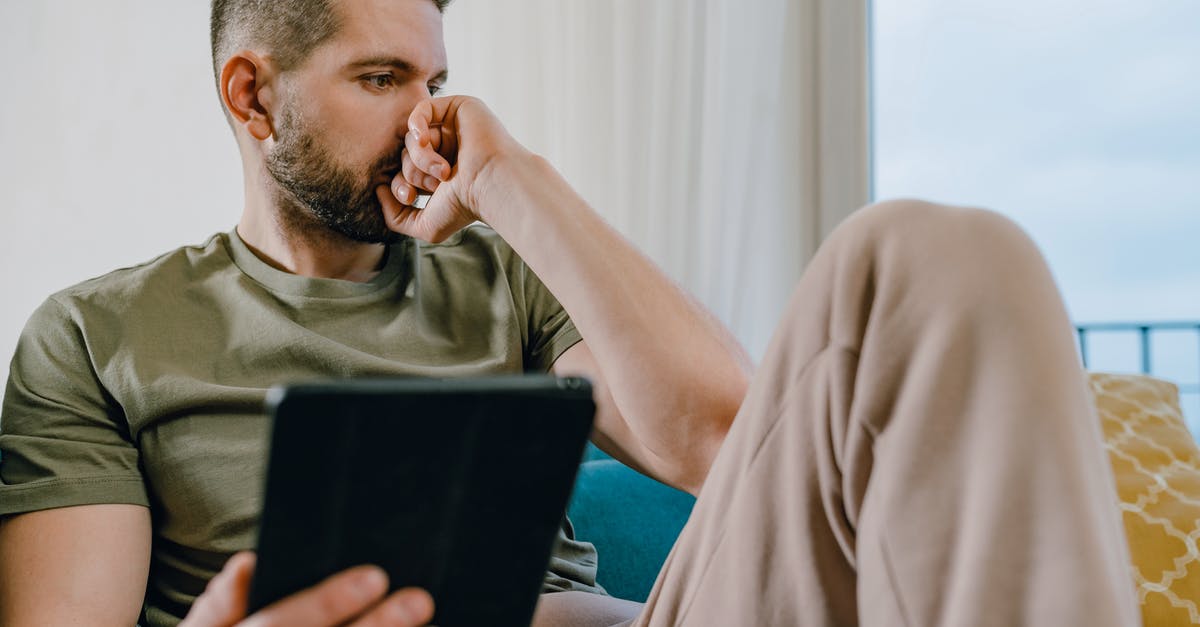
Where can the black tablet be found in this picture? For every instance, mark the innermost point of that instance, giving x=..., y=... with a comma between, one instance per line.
x=457, y=486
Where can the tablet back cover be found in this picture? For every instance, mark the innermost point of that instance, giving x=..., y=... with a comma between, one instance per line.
x=456, y=486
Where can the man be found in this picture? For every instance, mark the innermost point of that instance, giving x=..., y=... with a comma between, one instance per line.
x=917, y=447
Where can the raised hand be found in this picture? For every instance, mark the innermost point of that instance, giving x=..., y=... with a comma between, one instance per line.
x=452, y=145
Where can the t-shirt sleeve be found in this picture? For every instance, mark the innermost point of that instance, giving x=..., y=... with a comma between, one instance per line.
x=63, y=439
x=572, y=564
x=550, y=329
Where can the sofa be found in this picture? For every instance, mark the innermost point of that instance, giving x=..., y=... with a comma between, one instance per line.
x=634, y=520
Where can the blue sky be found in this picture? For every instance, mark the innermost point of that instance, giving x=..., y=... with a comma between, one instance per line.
x=1081, y=120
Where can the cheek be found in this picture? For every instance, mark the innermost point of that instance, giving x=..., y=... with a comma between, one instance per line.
x=363, y=126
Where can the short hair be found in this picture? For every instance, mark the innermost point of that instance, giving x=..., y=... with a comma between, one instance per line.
x=289, y=29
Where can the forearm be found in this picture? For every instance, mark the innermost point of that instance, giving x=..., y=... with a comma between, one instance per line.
x=675, y=373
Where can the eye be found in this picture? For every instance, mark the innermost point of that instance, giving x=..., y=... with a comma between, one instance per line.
x=379, y=81
x=434, y=90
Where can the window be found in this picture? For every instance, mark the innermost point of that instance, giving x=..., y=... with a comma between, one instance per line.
x=1081, y=121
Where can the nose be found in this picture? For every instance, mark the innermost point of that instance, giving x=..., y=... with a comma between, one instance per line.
x=414, y=96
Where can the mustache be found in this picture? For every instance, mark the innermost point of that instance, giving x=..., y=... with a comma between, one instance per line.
x=389, y=168
x=387, y=163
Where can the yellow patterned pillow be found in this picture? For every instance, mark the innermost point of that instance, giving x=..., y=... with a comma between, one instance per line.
x=1157, y=467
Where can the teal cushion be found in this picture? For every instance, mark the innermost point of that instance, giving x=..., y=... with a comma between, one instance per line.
x=632, y=519
x=591, y=452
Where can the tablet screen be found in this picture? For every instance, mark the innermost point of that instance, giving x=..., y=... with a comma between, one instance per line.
x=457, y=486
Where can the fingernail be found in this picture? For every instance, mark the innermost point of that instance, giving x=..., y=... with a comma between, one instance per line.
x=415, y=605
x=400, y=610
x=371, y=581
x=438, y=171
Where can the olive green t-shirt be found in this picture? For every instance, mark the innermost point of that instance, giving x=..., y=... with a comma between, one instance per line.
x=146, y=385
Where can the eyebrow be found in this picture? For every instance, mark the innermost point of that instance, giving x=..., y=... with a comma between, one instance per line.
x=400, y=65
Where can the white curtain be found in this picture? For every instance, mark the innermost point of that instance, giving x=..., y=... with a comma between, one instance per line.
x=724, y=137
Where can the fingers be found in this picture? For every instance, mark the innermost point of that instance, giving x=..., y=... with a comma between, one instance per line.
x=224, y=601
x=336, y=600
x=414, y=178
x=444, y=138
x=423, y=118
x=399, y=213
x=350, y=595
x=409, y=607
x=434, y=223
x=430, y=158
x=418, y=145
x=432, y=134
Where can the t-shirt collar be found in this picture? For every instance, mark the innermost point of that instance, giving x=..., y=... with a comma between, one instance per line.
x=286, y=282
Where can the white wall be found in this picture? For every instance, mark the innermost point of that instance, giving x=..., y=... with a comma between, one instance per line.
x=113, y=148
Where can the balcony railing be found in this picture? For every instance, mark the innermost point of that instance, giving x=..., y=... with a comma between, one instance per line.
x=1183, y=367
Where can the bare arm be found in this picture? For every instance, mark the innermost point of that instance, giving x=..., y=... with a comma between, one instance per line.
x=84, y=565
x=612, y=433
x=676, y=377
x=88, y=565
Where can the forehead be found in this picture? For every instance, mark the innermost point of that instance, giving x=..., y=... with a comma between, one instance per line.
x=407, y=29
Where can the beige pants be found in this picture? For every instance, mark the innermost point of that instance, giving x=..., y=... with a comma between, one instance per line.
x=918, y=448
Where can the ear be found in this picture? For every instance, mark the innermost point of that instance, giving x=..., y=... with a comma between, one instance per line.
x=248, y=91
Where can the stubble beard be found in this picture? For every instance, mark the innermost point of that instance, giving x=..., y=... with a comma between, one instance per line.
x=314, y=187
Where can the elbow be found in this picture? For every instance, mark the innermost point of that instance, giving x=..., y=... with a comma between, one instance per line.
x=707, y=444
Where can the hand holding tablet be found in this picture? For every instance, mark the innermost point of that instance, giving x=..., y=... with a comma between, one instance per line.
x=355, y=595
x=454, y=486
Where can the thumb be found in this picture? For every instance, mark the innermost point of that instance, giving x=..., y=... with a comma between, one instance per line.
x=224, y=601
x=437, y=221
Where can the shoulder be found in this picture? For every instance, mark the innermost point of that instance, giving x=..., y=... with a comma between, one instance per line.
x=91, y=321
x=171, y=272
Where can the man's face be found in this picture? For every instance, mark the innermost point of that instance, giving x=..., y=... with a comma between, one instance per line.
x=342, y=115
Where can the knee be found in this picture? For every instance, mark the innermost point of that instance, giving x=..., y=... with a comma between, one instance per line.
x=966, y=240
x=934, y=226
x=942, y=252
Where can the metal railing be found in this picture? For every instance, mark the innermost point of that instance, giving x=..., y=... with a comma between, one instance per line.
x=1144, y=332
